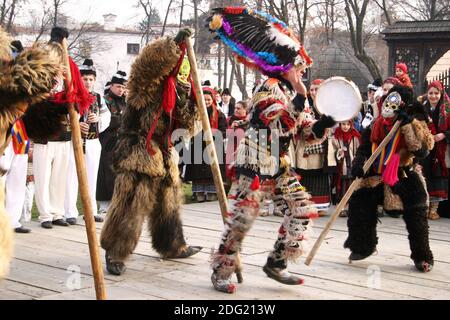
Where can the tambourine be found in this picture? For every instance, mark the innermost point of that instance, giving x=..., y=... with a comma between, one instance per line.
x=338, y=97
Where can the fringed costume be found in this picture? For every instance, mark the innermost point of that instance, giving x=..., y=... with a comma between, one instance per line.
x=267, y=44
x=147, y=181
x=25, y=80
x=394, y=180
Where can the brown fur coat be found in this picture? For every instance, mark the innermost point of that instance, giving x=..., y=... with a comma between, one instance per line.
x=146, y=84
x=26, y=80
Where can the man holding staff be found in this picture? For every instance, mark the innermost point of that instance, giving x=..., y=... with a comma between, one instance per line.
x=147, y=184
x=393, y=181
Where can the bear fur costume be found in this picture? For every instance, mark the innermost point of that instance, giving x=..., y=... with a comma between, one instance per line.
x=147, y=177
x=408, y=196
x=26, y=80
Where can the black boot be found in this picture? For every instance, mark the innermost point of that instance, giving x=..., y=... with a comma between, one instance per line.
x=358, y=256
x=282, y=275
x=189, y=251
x=116, y=268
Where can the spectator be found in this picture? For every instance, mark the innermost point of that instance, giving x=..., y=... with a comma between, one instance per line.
x=95, y=121
x=227, y=104
x=115, y=101
x=198, y=171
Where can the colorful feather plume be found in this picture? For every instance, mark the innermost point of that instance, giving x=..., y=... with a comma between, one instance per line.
x=258, y=40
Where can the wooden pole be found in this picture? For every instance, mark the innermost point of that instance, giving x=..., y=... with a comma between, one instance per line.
x=221, y=195
x=349, y=193
x=97, y=268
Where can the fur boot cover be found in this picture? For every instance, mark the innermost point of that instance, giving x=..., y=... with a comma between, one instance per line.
x=362, y=220
x=147, y=182
x=412, y=191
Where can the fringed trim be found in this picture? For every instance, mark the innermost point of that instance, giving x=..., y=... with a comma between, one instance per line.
x=223, y=265
x=256, y=158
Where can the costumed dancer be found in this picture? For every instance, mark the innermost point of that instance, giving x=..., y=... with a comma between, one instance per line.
x=25, y=82
x=198, y=171
x=92, y=124
x=260, y=41
x=51, y=155
x=436, y=165
x=394, y=180
x=346, y=142
x=147, y=181
x=115, y=101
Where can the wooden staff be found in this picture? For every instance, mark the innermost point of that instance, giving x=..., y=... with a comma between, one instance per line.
x=97, y=268
x=217, y=176
x=349, y=193
x=221, y=195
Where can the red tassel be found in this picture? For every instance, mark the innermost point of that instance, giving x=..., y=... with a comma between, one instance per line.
x=255, y=184
x=169, y=97
x=390, y=174
x=79, y=94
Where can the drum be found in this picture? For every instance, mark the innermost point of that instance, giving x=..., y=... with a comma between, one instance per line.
x=338, y=97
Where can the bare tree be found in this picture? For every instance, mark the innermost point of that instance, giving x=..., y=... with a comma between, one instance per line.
x=383, y=4
x=419, y=10
x=8, y=13
x=181, y=13
x=42, y=24
x=356, y=12
x=165, y=18
x=57, y=7
x=196, y=24
x=151, y=18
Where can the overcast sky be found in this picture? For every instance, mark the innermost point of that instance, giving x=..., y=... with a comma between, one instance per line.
x=93, y=10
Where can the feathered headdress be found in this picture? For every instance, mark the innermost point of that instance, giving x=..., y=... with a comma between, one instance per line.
x=258, y=40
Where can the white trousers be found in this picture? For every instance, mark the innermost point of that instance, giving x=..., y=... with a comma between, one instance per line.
x=92, y=158
x=15, y=183
x=28, y=205
x=50, y=164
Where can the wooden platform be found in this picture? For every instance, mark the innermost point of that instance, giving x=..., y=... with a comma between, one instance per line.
x=44, y=258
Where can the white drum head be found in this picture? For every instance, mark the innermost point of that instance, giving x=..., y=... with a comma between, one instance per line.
x=339, y=98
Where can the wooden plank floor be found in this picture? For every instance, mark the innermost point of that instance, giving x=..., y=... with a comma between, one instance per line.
x=44, y=259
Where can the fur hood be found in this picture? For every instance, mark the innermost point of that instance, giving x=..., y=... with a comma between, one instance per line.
x=28, y=78
x=148, y=72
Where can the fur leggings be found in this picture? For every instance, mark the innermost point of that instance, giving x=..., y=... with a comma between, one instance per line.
x=136, y=197
x=289, y=197
x=362, y=217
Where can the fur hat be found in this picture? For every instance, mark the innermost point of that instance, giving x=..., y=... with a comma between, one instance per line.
x=119, y=78
x=87, y=68
x=375, y=85
x=17, y=46
x=402, y=66
x=258, y=40
x=58, y=34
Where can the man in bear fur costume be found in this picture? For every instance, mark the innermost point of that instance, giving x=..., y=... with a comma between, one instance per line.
x=25, y=80
x=394, y=180
x=147, y=182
